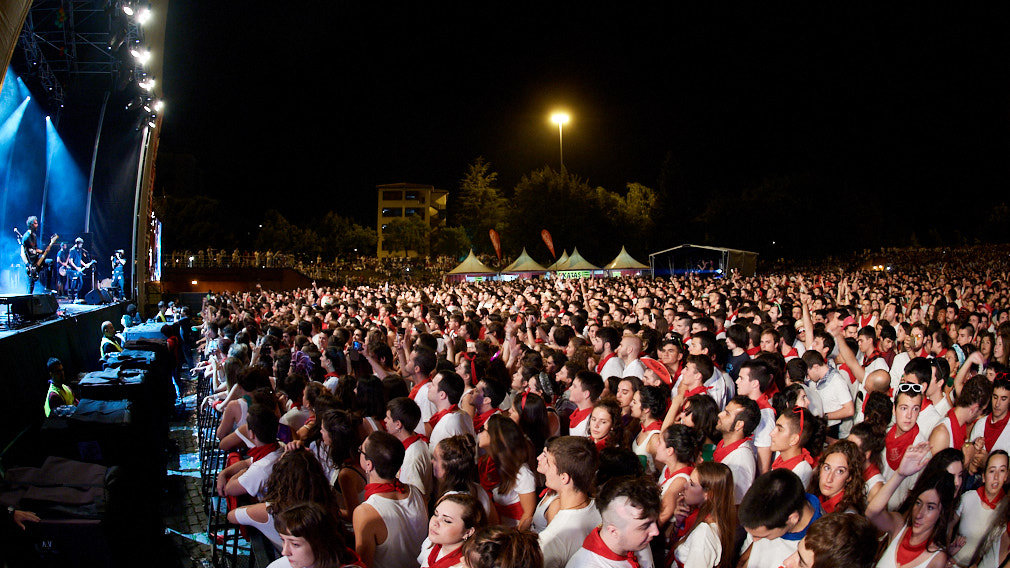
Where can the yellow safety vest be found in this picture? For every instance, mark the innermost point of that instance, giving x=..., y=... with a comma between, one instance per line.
x=108, y=346
x=64, y=393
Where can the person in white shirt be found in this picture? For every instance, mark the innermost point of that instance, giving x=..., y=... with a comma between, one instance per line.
x=604, y=346
x=402, y=417
x=935, y=404
x=709, y=533
x=628, y=351
x=754, y=381
x=444, y=392
x=456, y=518
x=390, y=525
x=566, y=514
x=249, y=476
x=629, y=508
x=737, y=423
x=991, y=429
x=836, y=399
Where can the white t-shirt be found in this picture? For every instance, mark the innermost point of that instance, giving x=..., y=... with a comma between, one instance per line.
x=978, y=431
x=742, y=462
x=427, y=406
x=701, y=549
x=525, y=483
x=930, y=416
x=406, y=523
x=254, y=479
x=613, y=368
x=763, y=433
x=416, y=468
x=564, y=535
x=426, y=547
x=634, y=369
x=976, y=519
x=586, y=559
x=834, y=391
x=452, y=424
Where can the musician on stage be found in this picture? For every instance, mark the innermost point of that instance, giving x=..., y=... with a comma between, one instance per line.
x=117, y=273
x=76, y=266
x=31, y=252
x=61, y=272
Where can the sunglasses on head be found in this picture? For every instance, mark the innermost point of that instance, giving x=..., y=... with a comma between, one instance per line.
x=914, y=387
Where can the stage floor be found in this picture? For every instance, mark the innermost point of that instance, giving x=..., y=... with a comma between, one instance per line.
x=66, y=309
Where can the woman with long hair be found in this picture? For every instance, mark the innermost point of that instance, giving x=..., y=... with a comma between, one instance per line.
x=979, y=508
x=311, y=539
x=919, y=536
x=678, y=451
x=296, y=477
x=707, y=537
x=339, y=432
x=838, y=480
x=700, y=411
x=869, y=436
x=370, y=404
x=507, y=469
x=456, y=518
x=529, y=411
x=454, y=466
x=648, y=405
x=605, y=426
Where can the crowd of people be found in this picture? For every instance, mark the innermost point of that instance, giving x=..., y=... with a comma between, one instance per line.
x=314, y=267
x=826, y=419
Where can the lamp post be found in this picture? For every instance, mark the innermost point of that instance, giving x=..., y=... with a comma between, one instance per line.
x=561, y=118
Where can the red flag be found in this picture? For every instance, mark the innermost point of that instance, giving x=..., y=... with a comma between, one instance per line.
x=496, y=241
x=546, y=236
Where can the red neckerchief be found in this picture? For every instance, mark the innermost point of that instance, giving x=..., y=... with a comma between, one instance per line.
x=395, y=486
x=411, y=439
x=762, y=402
x=792, y=462
x=941, y=353
x=791, y=353
x=844, y=367
x=906, y=552
x=870, y=471
x=896, y=445
x=435, y=418
x=991, y=504
x=451, y=559
x=260, y=452
x=958, y=431
x=578, y=416
x=487, y=472
x=481, y=419
x=888, y=357
x=594, y=543
x=702, y=389
x=668, y=475
x=689, y=523
x=829, y=505
x=863, y=322
x=753, y=351
x=993, y=430
x=923, y=353
x=601, y=443
x=417, y=387
x=722, y=451
x=926, y=403
x=654, y=425
x=871, y=357
x=599, y=368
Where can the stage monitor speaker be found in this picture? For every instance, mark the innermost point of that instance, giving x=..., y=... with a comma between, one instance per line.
x=98, y=296
x=32, y=307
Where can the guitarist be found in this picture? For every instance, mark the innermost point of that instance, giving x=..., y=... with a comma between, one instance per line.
x=31, y=253
x=75, y=268
x=61, y=259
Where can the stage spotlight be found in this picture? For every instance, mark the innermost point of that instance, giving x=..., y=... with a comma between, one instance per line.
x=141, y=55
x=128, y=9
x=159, y=105
x=143, y=15
x=152, y=120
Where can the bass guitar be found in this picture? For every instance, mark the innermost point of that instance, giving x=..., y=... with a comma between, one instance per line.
x=32, y=265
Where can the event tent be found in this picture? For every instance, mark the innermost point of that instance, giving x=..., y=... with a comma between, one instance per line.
x=578, y=267
x=524, y=266
x=470, y=269
x=560, y=263
x=625, y=265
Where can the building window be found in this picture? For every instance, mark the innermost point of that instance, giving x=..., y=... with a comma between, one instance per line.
x=413, y=211
x=392, y=195
x=392, y=212
x=415, y=196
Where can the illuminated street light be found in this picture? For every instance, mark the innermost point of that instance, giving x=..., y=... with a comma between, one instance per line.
x=561, y=118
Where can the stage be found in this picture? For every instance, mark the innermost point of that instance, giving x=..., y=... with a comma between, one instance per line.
x=72, y=335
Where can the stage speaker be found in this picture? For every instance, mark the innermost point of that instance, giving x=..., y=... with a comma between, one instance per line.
x=32, y=307
x=98, y=296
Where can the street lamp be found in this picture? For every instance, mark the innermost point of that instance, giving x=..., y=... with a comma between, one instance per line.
x=561, y=118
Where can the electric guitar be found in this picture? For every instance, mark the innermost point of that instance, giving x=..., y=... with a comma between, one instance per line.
x=32, y=265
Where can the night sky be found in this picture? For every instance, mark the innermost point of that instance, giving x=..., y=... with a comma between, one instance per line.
x=307, y=106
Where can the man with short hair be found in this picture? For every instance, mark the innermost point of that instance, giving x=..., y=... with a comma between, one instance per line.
x=391, y=524
x=402, y=417
x=935, y=404
x=904, y=434
x=628, y=350
x=754, y=382
x=720, y=386
x=776, y=513
x=59, y=392
x=568, y=464
x=249, y=476
x=838, y=540
x=418, y=369
x=110, y=343
x=586, y=389
x=836, y=399
x=991, y=429
x=448, y=420
x=736, y=450
x=629, y=509
x=952, y=431
x=607, y=340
